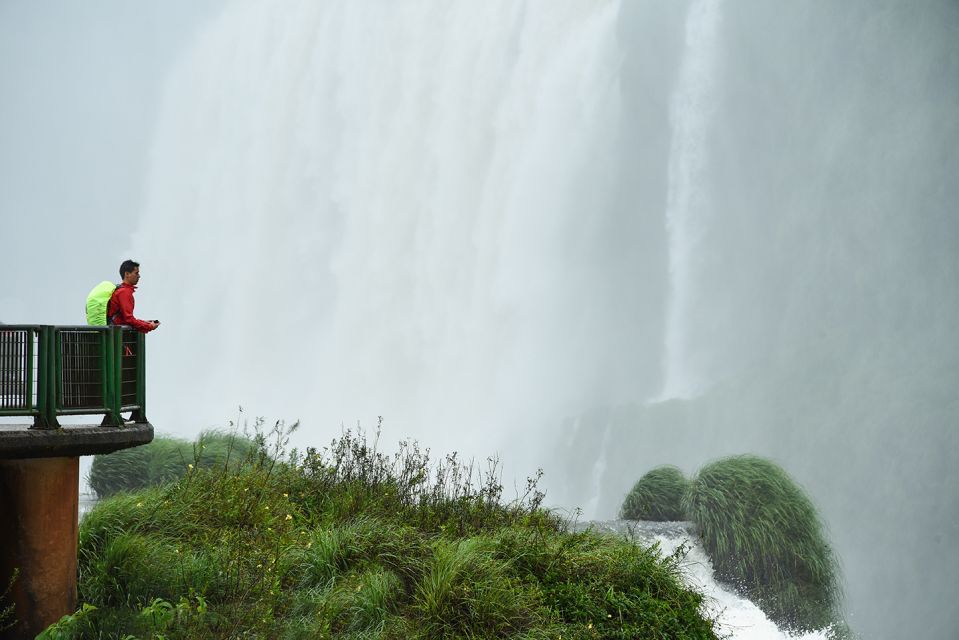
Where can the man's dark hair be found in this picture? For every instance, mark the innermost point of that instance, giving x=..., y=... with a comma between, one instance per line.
x=126, y=267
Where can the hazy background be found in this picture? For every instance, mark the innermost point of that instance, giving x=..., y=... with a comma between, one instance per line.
x=80, y=84
x=460, y=218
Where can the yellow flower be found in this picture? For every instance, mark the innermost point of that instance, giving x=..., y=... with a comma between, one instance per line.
x=139, y=504
x=289, y=517
x=286, y=495
x=189, y=466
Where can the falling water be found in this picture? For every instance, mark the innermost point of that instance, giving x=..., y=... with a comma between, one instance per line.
x=599, y=470
x=358, y=209
x=687, y=207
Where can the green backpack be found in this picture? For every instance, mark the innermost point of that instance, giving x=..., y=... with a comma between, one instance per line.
x=97, y=301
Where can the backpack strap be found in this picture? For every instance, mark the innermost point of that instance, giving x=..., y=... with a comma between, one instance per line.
x=109, y=317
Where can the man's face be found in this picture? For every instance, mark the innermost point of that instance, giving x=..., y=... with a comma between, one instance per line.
x=132, y=277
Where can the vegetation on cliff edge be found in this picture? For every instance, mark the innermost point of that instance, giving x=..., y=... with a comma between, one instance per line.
x=347, y=542
x=163, y=461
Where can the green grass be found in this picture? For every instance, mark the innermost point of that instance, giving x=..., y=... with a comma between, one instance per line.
x=657, y=496
x=163, y=461
x=765, y=538
x=347, y=542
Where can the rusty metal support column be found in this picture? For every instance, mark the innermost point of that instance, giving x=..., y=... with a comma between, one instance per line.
x=38, y=537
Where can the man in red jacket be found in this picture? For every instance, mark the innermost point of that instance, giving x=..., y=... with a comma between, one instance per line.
x=120, y=308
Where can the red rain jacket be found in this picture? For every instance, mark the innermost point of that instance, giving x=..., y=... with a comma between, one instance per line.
x=120, y=309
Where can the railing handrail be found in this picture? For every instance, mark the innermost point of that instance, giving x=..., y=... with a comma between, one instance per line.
x=63, y=327
x=53, y=370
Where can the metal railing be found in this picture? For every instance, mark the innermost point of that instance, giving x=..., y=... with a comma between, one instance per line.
x=48, y=371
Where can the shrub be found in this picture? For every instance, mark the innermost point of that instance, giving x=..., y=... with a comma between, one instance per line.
x=605, y=586
x=765, y=539
x=163, y=461
x=657, y=496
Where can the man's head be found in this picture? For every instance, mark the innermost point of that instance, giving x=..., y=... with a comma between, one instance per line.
x=130, y=272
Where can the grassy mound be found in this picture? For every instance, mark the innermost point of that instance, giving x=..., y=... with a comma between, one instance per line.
x=350, y=543
x=765, y=538
x=658, y=496
x=163, y=461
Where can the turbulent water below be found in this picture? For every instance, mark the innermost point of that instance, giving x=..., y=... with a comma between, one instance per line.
x=737, y=617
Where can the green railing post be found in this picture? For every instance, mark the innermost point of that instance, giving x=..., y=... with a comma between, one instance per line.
x=54, y=369
x=140, y=415
x=111, y=374
x=43, y=377
x=30, y=353
x=57, y=371
x=118, y=372
x=104, y=339
x=46, y=416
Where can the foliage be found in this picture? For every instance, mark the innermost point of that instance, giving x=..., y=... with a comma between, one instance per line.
x=765, y=538
x=348, y=542
x=163, y=461
x=63, y=628
x=7, y=619
x=657, y=496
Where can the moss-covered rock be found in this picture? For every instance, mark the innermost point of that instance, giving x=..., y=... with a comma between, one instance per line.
x=658, y=496
x=765, y=539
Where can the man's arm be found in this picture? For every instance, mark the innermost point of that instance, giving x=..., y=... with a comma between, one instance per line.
x=124, y=298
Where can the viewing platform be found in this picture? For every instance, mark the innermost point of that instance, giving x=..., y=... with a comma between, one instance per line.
x=46, y=374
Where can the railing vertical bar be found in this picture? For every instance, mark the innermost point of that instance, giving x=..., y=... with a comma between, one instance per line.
x=142, y=376
x=60, y=383
x=108, y=373
x=41, y=377
x=104, y=378
x=5, y=363
x=11, y=374
x=4, y=350
x=53, y=361
x=29, y=387
x=3, y=369
x=15, y=373
x=118, y=363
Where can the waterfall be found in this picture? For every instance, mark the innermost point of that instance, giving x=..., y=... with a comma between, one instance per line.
x=687, y=208
x=598, y=472
x=360, y=209
x=357, y=208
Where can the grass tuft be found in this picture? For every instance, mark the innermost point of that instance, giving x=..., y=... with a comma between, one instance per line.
x=764, y=537
x=657, y=496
